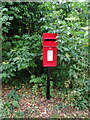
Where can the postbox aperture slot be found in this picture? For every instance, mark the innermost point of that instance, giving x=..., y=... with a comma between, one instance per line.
x=50, y=40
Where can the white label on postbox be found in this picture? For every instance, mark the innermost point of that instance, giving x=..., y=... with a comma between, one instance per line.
x=50, y=55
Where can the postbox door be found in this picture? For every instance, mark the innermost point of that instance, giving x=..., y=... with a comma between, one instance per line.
x=49, y=56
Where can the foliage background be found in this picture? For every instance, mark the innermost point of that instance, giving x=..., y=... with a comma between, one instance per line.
x=22, y=28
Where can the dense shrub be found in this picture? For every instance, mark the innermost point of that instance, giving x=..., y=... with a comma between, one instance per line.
x=22, y=28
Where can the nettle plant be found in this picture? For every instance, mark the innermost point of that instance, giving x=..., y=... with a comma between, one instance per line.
x=38, y=82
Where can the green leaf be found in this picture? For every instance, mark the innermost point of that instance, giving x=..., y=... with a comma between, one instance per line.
x=15, y=104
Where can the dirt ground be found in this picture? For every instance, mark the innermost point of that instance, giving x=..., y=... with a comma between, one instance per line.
x=37, y=106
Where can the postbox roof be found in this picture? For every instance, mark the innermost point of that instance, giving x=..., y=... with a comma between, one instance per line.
x=49, y=35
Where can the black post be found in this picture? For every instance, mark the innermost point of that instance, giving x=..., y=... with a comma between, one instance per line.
x=48, y=83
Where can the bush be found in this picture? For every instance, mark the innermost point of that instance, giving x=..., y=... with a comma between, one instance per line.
x=22, y=46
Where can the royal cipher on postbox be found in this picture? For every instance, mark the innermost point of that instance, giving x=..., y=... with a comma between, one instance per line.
x=49, y=49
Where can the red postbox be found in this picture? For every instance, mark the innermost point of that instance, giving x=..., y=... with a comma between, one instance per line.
x=49, y=49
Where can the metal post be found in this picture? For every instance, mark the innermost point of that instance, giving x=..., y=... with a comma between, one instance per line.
x=48, y=83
